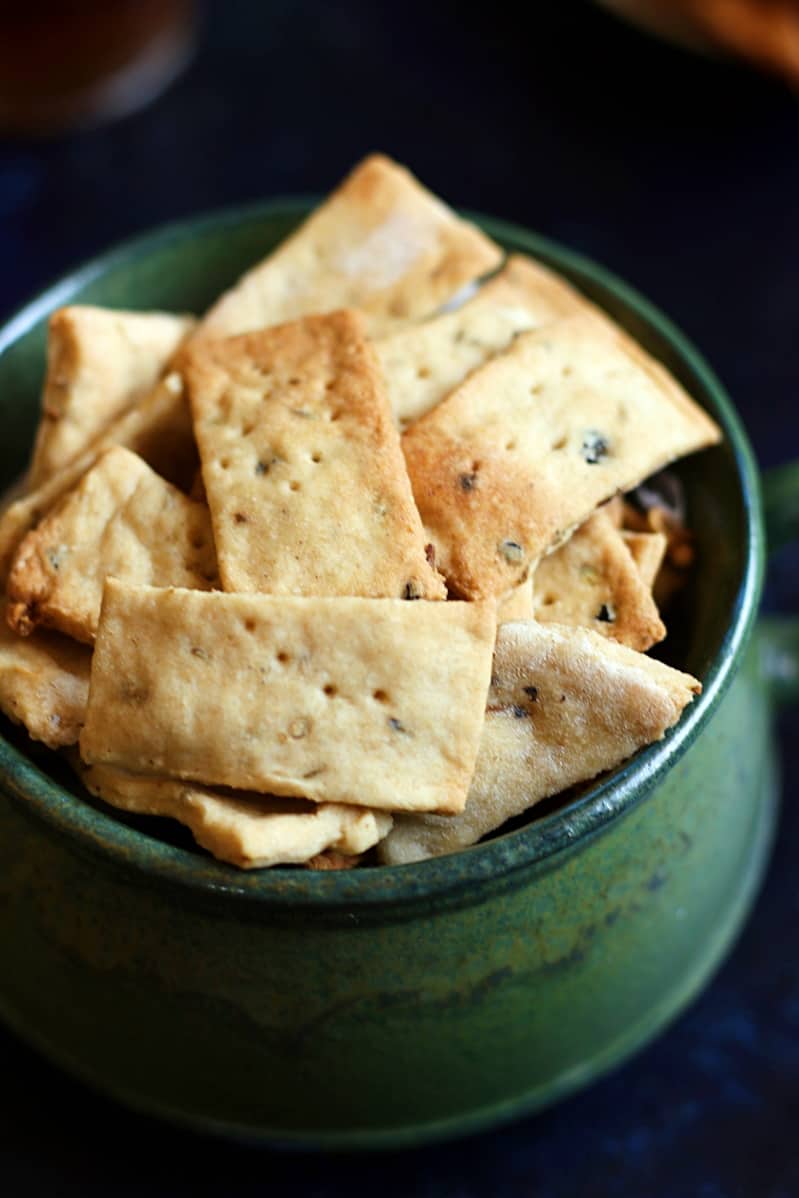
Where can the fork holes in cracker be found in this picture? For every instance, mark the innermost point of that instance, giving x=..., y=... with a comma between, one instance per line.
x=250, y=624
x=380, y=696
x=548, y=600
x=283, y=657
x=423, y=372
x=330, y=690
x=510, y=446
x=560, y=443
x=316, y=458
x=294, y=485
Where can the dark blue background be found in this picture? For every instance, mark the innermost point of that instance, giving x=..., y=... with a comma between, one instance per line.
x=682, y=175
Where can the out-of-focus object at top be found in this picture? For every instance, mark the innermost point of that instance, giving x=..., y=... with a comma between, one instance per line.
x=764, y=31
x=73, y=63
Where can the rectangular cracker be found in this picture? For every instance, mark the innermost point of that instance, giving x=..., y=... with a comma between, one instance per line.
x=99, y=362
x=381, y=242
x=593, y=581
x=424, y=362
x=525, y=449
x=158, y=429
x=372, y=702
x=565, y=705
x=123, y=520
x=44, y=685
x=302, y=464
x=247, y=830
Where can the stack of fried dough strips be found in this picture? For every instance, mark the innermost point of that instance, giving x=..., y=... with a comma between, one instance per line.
x=340, y=565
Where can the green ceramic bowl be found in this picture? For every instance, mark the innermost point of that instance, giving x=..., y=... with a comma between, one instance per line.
x=390, y=1006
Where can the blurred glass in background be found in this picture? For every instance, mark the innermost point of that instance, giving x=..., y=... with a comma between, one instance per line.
x=764, y=31
x=73, y=63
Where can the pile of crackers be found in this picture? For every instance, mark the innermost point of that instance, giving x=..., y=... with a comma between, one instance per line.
x=342, y=568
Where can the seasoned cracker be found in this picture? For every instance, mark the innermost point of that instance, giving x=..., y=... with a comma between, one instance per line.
x=302, y=464
x=517, y=604
x=381, y=242
x=158, y=429
x=99, y=362
x=593, y=581
x=373, y=702
x=123, y=520
x=247, y=830
x=44, y=685
x=524, y=450
x=426, y=361
x=647, y=550
x=565, y=705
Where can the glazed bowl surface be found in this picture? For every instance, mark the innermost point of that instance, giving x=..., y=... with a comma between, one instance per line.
x=389, y=1005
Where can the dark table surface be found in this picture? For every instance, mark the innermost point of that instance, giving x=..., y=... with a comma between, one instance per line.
x=682, y=175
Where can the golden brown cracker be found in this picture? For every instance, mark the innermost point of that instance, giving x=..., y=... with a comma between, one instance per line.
x=302, y=464
x=647, y=550
x=593, y=581
x=247, y=830
x=565, y=705
x=44, y=685
x=517, y=604
x=158, y=429
x=373, y=702
x=525, y=449
x=99, y=362
x=381, y=242
x=122, y=520
x=424, y=362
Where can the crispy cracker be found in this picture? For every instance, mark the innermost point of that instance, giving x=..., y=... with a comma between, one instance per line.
x=647, y=550
x=302, y=464
x=44, y=685
x=374, y=702
x=565, y=705
x=517, y=604
x=331, y=859
x=158, y=429
x=121, y=520
x=525, y=449
x=99, y=362
x=381, y=242
x=593, y=581
x=247, y=830
x=424, y=362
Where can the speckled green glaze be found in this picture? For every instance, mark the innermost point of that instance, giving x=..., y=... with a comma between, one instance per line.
x=397, y=1005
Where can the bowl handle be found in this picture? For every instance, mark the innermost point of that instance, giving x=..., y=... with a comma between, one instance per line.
x=778, y=636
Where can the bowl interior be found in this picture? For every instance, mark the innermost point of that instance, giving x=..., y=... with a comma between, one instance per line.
x=183, y=268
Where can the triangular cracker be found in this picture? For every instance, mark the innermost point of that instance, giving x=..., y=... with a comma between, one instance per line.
x=565, y=705
x=99, y=362
x=44, y=685
x=381, y=242
x=247, y=830
x=158, y=429
x=302, y=464
x=374, y=702
x=592, y=581
x=424, y=362
x=122, y=520
x=525, y=449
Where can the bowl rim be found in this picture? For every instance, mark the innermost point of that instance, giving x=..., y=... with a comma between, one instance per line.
x=455, y=875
